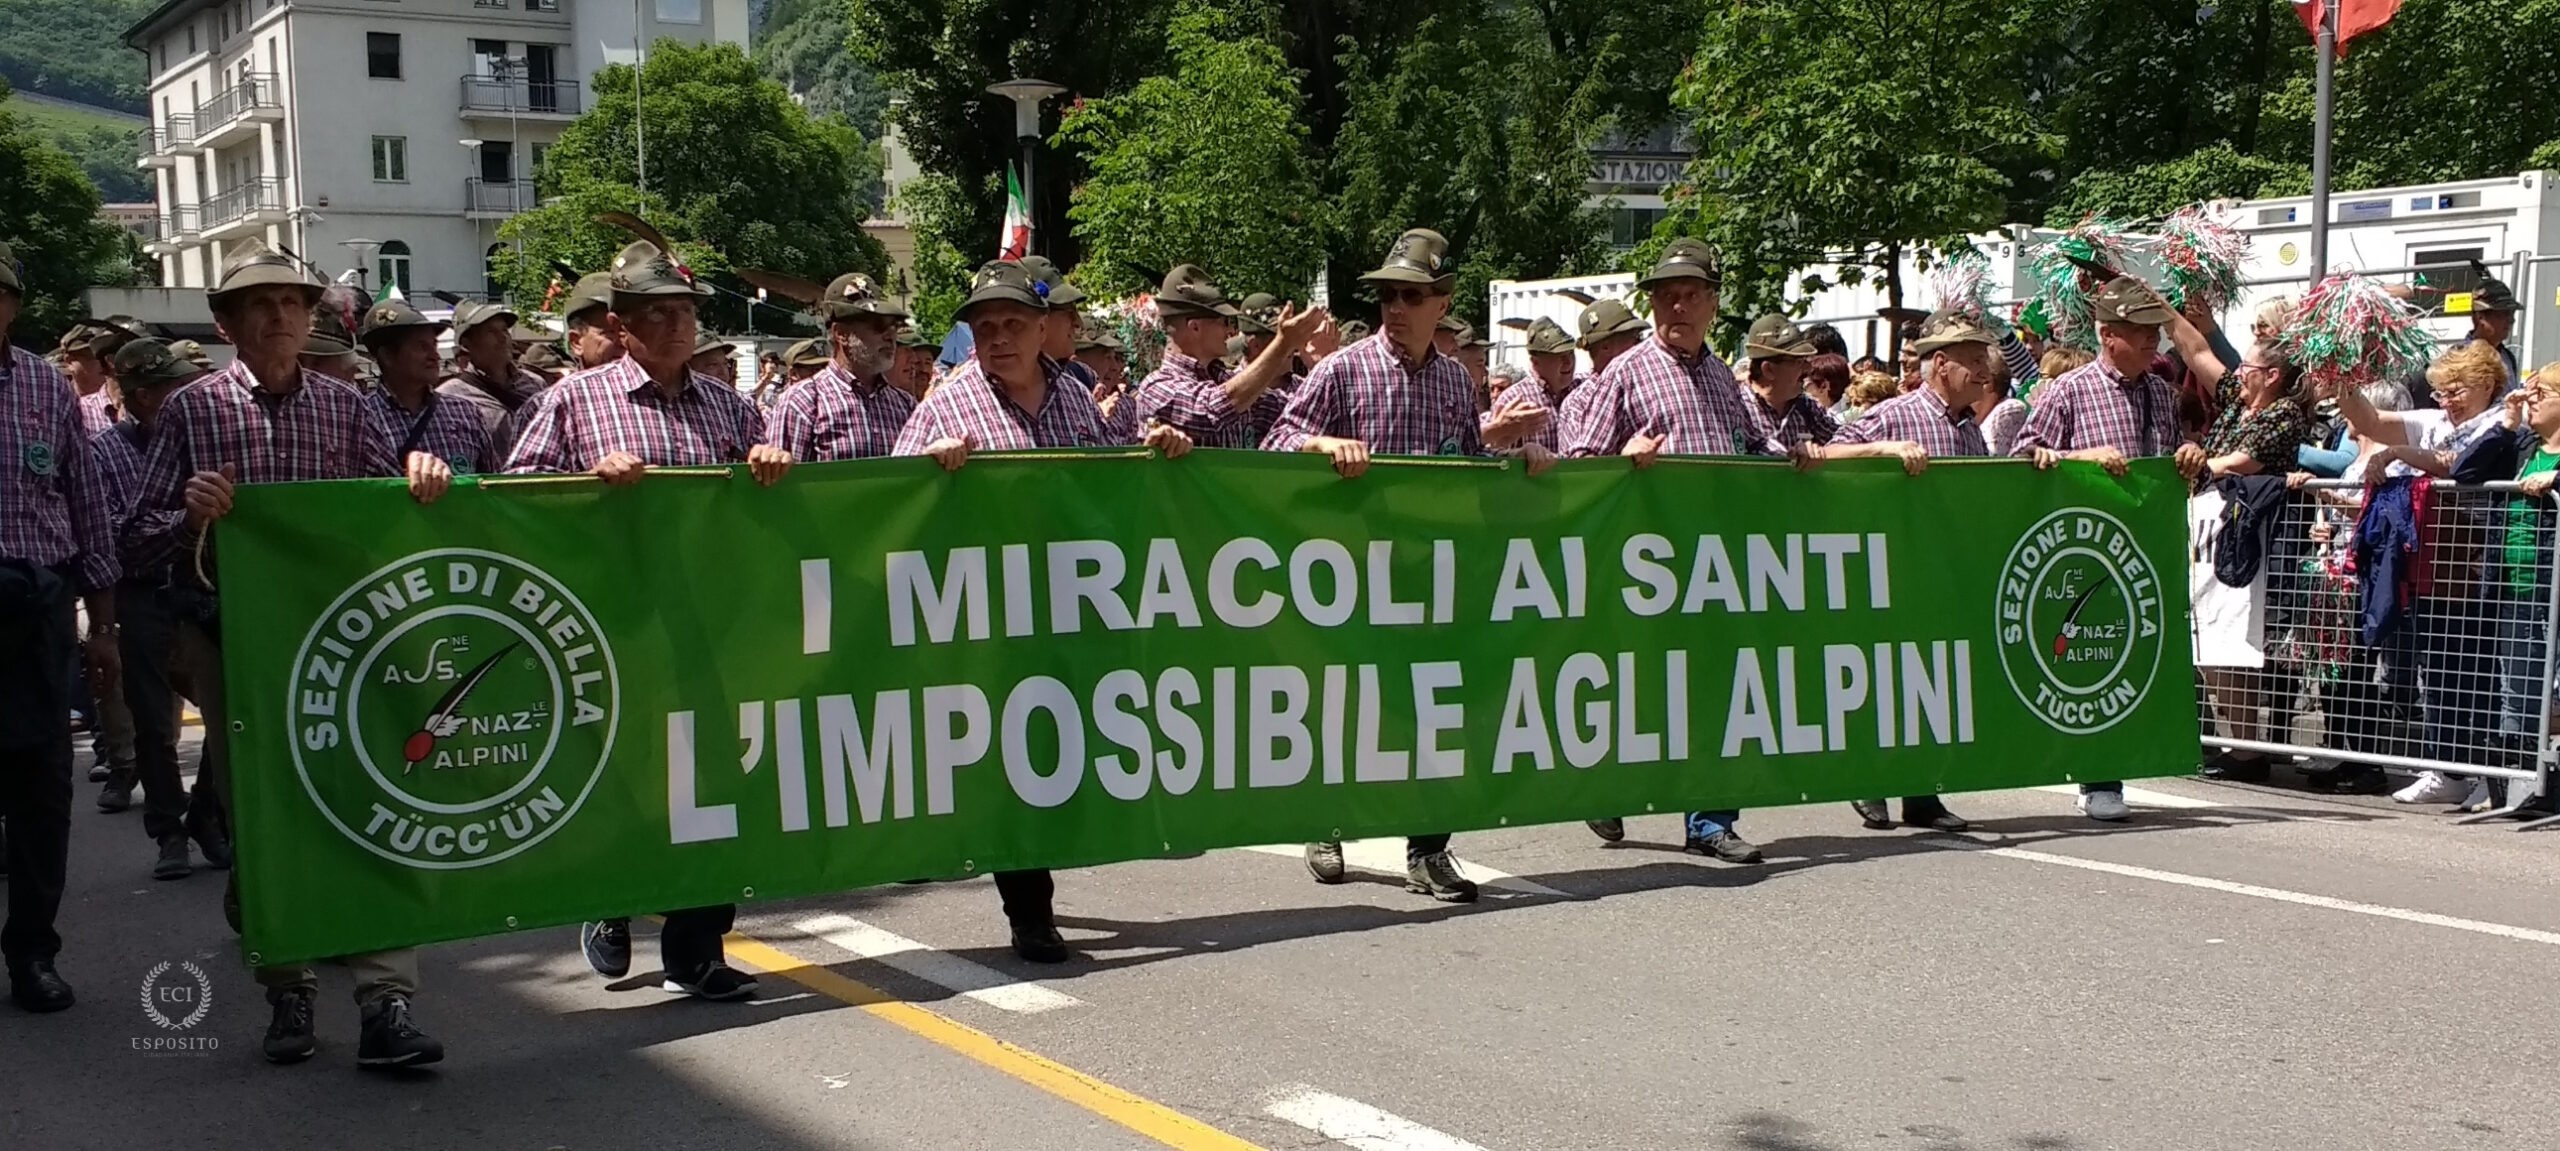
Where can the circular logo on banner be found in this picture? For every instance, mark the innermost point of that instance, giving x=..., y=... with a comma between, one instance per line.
x=452, y=709
x=176, y=999
x=2081, y=620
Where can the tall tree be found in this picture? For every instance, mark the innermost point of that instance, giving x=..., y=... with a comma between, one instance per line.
x=49, y=219
x=802, y=44
x=736, y=167
x=1850, y=130
x=1205, y=165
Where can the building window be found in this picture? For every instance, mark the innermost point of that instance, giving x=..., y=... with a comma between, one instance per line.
x=391, y=159
x=382, y=55
x=191, y=39
x=1629, y=227
x=393, y=264
x=680, y=11
x=164, y=55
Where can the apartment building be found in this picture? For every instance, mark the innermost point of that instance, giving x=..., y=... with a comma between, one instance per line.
x=387, y=137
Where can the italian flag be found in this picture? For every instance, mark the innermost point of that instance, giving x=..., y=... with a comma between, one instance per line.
x=390, y=290
x=1014, y=242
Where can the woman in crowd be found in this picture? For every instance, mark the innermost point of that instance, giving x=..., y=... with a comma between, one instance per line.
x=2258, y=424
x=1826, y=379
x=1866, y=390
x=2000, y=413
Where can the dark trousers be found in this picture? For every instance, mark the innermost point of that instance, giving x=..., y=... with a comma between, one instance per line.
x=690, y=942
x=1027, y=896
x=149, y=643
x=36, y=650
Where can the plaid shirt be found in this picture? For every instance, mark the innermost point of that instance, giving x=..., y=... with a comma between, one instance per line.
x=617, y=408
x=1802, y=421
x=1695, y=406
x=322, y=430
x=1365, y=392
x=1192, y=395
x=1527, y=390
x=2094, y=406
x=447, y=428
x=100, y=411
x=117, y=463
x=1918, y=417
x=53, y=510
x=832, y=416
x=968, y=405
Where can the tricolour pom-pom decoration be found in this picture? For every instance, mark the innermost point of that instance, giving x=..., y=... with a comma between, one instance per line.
x=2350, y=331
x=2202, y=253
x=1962, y=282
x=2062, y=269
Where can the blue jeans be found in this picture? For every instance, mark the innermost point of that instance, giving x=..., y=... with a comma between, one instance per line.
x=1705, y=824
x=2522, y=692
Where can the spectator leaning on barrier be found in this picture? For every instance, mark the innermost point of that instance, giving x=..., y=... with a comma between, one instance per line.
x=646, y=410
x=2257, y=428
x=1957, y=364
x=1395, y=393
x=2441, y=654
x=2525, y=695
x=1009, y=398
x=2114, y=409
x=1672, y=394
x=266, y=418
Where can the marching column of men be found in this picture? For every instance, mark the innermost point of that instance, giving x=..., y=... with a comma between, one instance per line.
x=137, y=498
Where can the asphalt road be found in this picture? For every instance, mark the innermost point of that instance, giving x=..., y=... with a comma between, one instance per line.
x=2245, y=968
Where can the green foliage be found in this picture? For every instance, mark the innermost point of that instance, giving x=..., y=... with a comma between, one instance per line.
x=72, y=49
x=802, y=44
x=1859, y=129
x=938, y=208
x=49, y=219
x=740, y=176
x=2215, y=171
x=1206, y=165
x=105, y=143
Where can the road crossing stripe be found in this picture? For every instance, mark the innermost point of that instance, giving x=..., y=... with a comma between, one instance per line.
x=1358, y=1125
x=1386, y=856
x=941, y=968
x=1144, y=1116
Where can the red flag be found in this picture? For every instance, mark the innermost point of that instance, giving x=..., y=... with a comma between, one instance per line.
x=2355, y=17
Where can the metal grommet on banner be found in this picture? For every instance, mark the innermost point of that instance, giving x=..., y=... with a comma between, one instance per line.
x=511, y=923
x=1648, y=807
x=968, y=865
x=256, y=960
x=1337, y=835
x=746, y=893
x=1506, y=821
x=1804, y=797
x=237, y=727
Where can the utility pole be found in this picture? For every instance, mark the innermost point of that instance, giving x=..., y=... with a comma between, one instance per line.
x=2325, y=104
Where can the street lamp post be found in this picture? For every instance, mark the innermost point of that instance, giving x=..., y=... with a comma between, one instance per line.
x=364, y=250
x=1026, y=95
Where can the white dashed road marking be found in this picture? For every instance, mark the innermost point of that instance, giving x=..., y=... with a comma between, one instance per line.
x=1358, y=1125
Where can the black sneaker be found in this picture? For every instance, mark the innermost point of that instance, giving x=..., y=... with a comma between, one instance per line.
x=1040, y=943
x=289, y=1035
x=1873, y=813
x=717, y=982
x=1724, y=845
x=1609, y=830
x=173, y=863
x=1324, y=861
x=116, y=796
x=607, y=945
x=1436, y=875
x=389, y=1039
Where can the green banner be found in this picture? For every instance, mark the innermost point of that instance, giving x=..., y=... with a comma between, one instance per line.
x=541, y=701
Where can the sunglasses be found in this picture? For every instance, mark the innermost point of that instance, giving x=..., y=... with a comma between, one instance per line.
x=1406, y=296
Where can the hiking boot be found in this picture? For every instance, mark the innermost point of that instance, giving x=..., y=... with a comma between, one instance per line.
x=1609, y=830
x=1873, y=813
x=1324, y=861
x=289, y=1035
x=389, y=1039
x=1437, y=876
x=1724, y=845
x=607, y=945
x=173, y=863
x=116, y=795
x=99, y=771
x=1040, y=943
x=718, y=982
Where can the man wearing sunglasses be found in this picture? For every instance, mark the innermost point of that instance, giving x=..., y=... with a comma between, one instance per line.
x=1395, y=393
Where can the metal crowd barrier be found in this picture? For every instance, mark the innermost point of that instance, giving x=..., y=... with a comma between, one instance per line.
x=2462, y=687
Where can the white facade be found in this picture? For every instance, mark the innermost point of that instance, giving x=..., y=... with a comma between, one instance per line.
x=413, y=124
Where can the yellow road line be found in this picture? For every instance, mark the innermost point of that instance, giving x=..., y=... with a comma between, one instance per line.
x=1144, y=1116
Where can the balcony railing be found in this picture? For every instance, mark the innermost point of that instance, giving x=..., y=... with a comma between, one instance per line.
x=178, y=222
x=253, y=91
x=498, y=197
x=179, y=132
x=239, y=202
x=527, y=97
